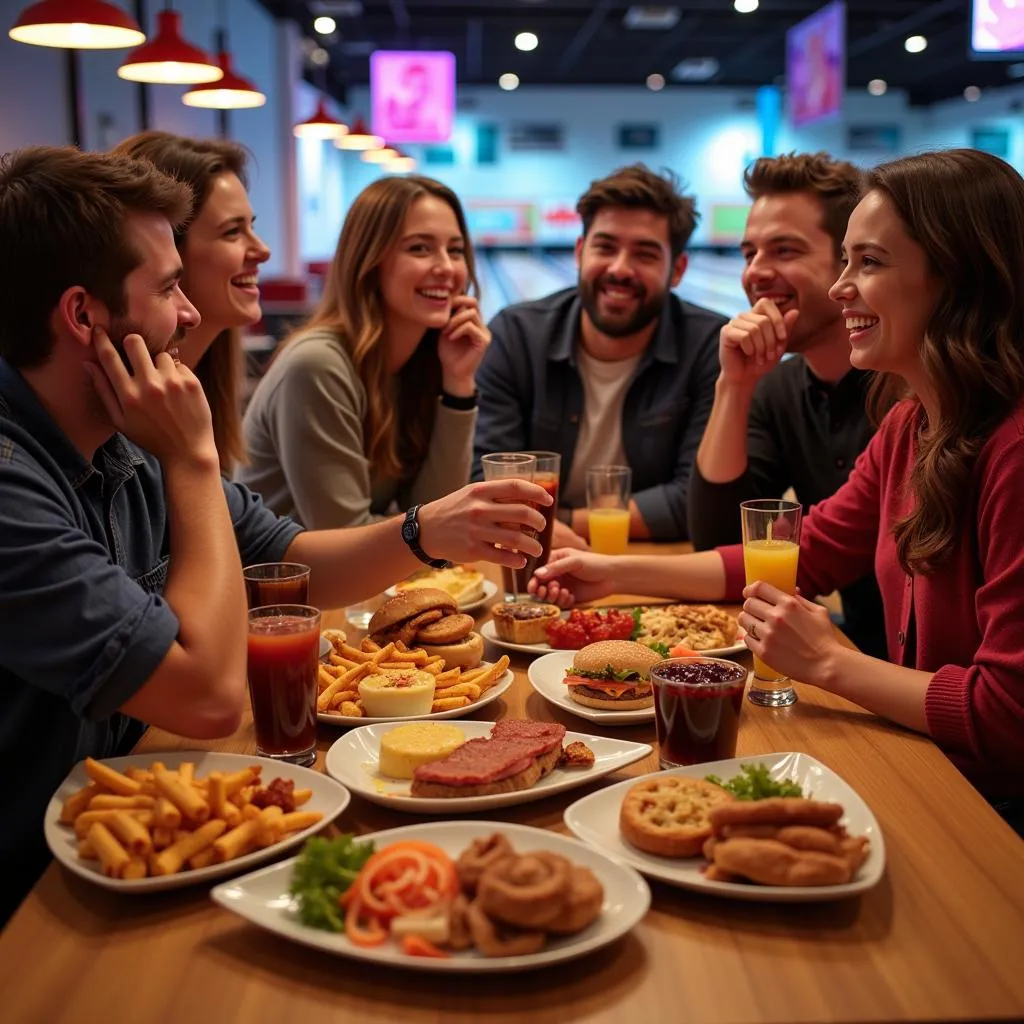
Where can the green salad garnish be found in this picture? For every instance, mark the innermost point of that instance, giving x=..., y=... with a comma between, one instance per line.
x=756, y=784
x=323, y=872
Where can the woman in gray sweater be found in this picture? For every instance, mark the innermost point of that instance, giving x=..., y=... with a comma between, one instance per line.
x=370, y=407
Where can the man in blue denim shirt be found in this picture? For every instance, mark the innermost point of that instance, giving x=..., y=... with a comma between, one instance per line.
x=615, y=371
x=121, y=547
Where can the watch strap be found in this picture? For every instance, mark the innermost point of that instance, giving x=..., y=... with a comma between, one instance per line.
x=411, y=536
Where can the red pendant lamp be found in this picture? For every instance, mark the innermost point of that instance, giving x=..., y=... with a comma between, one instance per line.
x=360, y=137
x=232, y=92
x=77, y=25
x=321, y=125
x=168, y=59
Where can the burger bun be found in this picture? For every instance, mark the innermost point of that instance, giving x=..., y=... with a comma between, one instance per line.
x=464, y=654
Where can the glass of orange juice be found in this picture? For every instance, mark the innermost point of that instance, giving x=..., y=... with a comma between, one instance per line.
x=771, y=550
x=608, y=492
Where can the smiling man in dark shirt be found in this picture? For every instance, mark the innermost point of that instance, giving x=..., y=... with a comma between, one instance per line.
x=801, y=422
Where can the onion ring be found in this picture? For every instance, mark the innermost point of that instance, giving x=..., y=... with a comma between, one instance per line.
x=492, y=942
x=586, y=897
x=479, y=856
x=528, y=891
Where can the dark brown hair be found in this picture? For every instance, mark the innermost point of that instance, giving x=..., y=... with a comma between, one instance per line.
x=352, y=308
x=835, y=183
x=198, y=163
x=63, y=215
x=965, y=208
x=637, y=187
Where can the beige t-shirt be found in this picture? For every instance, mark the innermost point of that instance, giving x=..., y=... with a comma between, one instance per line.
x=600, y=439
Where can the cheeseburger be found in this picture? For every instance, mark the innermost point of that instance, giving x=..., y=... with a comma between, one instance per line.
x=429, y=619
x=613, y=675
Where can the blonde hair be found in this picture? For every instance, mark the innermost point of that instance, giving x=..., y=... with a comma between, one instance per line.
x=352, y=309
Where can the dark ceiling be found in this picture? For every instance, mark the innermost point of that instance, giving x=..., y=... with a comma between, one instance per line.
x=586, y=42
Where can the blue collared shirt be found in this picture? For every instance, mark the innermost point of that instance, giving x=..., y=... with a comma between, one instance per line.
x=531, y=397
x=84, y=550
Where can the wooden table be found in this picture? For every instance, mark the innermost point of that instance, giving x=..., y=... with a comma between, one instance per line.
x=941, y=937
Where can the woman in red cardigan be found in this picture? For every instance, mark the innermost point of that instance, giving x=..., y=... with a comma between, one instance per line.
x=932, y=293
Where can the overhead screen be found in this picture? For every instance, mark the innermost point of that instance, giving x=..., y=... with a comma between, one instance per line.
x=412, y=95
x=816, y=66
x=997, y=29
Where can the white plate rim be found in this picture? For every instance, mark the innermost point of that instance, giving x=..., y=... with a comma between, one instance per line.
x=492, y=694
x=564, y=659
x=487, y=631
x=490, y=589
x=627, y=914
x=631, y=753
x=57, y=835
x=667, y=870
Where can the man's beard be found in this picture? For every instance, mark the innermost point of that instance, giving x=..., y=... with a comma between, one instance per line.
x=647, y=311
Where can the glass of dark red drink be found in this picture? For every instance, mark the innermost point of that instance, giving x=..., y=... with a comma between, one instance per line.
x=276, y=583
x=546, y=475
x=516, y=466
x=284, y=652
x=697, y=704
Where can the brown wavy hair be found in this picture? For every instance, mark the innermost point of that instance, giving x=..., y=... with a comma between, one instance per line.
x=836, y=184
x=637, y=187
x=198, y=162
x=965, y=208
x=396, y=434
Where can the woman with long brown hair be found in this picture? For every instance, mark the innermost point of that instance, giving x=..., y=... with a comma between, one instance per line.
x=373, y=401
x=933, y=297
x=221, y=254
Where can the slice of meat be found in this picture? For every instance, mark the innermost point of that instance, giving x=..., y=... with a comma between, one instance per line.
x=526, y=728
x=479, y=761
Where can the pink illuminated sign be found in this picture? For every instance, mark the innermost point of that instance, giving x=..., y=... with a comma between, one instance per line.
x=412, y=95
x=816, y=65
x=997, y=27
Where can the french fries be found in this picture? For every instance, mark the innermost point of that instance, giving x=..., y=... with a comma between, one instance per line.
x=338, y=680
x=187, y=823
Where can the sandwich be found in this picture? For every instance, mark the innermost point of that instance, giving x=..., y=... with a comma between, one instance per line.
x=613, y=675
x=466, y=585
x=518, y=753
x=430, y=619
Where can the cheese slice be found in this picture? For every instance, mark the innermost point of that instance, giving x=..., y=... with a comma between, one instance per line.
x=612, y=688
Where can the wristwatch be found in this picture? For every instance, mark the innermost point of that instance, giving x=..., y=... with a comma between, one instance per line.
x=411, y=536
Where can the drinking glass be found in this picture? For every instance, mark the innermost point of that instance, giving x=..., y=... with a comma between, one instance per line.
x=771, y=551
x=511, y=466
x=697, y=704
x=547, y=475
x=358, y=615
x=284, y=655
x=608, y=492
x=276, y=583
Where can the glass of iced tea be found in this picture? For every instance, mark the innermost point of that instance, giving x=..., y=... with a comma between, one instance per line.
x=284, y=654
x=697, y=704
x=771, y=552
x=276, y=583
x=511, y=466
x=546, y=475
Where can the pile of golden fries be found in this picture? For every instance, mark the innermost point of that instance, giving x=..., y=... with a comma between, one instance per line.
x=338, y=680
x=149, y=822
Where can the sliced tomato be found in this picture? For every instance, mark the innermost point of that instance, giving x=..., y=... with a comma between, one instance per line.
x=416, y=945
x=362, y=928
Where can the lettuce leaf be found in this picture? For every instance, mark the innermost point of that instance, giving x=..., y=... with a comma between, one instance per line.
x=607, y=673
x=323, y=872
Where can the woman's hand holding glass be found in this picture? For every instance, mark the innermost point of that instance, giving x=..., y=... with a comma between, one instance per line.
x=469, y=524
x=572, y=576
x=793, y=635
x=461, y=345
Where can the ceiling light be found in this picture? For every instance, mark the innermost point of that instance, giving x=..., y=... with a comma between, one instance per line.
x=400, y=164
x=972, y=94
x=324, y=25
x=360, y=137
x=167, y=59
x=745, y=6
x=380, y=156
x=526, y=41
x=915, y=44
x=509, y=81
x=878, y=86
x=321, y=125
x=655, y=82
x=319, y=57
x=232, y=92
x=77, y=25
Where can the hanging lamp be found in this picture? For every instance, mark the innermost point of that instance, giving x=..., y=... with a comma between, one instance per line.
x=77, y=25
x=167, y=59
x=380, y=156
x=400, y=164
x=321, y=125
x=232, y=92
x=360, y=138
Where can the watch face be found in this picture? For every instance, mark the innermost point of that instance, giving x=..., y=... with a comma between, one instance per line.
x=409, y=531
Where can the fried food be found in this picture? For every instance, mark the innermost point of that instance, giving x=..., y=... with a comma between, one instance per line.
x=669, y=815
x=525, y=891
x=494, y=940
x=771, y=862
x=701, y=627
x=478, y=856
x=577, y=755
x=445, y=630
x=779, y=810
x=583, y=904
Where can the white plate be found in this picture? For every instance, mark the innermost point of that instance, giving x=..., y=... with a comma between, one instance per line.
x=595, y=819
x=487, y=631
x=492, y=693
x=263, y=899
x=353, y=761
x=546, y=675
x=490, y=589
x=329, y=798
